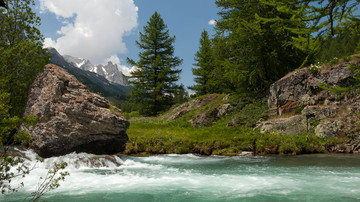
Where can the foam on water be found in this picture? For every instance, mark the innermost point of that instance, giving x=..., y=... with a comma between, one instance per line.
x=195, y=178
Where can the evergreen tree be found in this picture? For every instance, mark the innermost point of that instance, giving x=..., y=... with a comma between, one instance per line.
x=326, y=19
x=205, y=62
x=333, y=16
x=181, y=95
x=258, y=52
x=153, y=82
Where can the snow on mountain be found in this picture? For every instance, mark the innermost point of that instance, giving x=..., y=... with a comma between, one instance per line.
x=110, y=71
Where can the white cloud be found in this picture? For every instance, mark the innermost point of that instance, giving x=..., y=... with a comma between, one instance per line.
x=92, y=29
x=212, y=22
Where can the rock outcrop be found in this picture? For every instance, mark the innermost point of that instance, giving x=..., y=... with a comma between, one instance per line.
x=297, y=104
x=71, y=119
x=206, y=110
x=302, y=87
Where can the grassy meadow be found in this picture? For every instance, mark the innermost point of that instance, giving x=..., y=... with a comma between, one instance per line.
x=158, y=135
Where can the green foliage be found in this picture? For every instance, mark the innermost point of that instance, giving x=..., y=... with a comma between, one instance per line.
x=21, y=59
x=346, y=58
x=157, y=135
x=314, y=68
x=180, y=95
x=6, y=163
x=205, y=61
x=133, y=114
x=330, y=17
x=298, y=110
x=155, y=76
x=339, y=46
x=250, y=114
x=259, y=41
x=21, y=52
x=153, y=136
x=334, y=61
x=357, y=48
x=256, y=37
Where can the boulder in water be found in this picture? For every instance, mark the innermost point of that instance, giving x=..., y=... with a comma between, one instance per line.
x=72, y=119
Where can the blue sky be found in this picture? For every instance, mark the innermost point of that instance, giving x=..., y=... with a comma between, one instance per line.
x=70, y=26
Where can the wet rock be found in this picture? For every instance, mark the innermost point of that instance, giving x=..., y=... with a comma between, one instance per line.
x=97, y=162
x=71, y=119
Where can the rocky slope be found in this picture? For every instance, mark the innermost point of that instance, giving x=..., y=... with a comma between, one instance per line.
x=296, y=104
x=110, y=71
x=95, y=82
x=318, y=111
x=71, y=119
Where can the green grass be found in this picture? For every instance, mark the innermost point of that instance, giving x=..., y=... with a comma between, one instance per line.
x=158, y=135
x=150, y=136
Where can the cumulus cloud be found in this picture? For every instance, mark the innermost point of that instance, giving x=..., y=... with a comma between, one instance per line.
x=92, y=29
x=212, y=22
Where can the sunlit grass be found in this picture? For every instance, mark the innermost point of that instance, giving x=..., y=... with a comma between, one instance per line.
x=154, y=136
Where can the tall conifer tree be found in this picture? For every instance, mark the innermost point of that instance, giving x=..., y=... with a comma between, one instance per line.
x=206, y=64
x=153, y=81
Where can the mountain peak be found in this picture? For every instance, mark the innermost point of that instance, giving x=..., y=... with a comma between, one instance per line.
x=110, y=71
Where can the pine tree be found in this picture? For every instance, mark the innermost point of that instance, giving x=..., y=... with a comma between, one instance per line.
x=258, y=52
x=153, y=82
x=325, y=19
x=205, y=62
x=181, y=95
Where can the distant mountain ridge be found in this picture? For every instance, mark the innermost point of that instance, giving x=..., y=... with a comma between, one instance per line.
x=95, y=82
x=110, y=71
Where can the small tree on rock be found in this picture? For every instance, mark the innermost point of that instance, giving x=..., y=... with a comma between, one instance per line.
x=153, y=81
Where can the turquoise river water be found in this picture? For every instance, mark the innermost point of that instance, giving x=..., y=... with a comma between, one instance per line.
x=194, y=178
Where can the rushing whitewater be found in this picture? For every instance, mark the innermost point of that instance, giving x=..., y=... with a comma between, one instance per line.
x=195, y=178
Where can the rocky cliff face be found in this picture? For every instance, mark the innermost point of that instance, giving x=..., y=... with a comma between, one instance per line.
x=71, y=119
x=318, y=111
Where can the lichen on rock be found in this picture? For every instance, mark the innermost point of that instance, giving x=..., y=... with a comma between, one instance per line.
x=322, y=113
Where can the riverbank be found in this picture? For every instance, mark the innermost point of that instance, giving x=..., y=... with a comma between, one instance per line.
x=151, y=136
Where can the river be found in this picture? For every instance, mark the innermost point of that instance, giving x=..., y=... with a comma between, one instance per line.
x=195, y=178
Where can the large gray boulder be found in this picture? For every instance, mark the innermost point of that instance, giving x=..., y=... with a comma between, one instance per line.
x=72, y=119
x=322, y=113
x=303, y=86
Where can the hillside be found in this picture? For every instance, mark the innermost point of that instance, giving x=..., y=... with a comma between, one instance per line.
x=95, y=82
x=298, y=117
